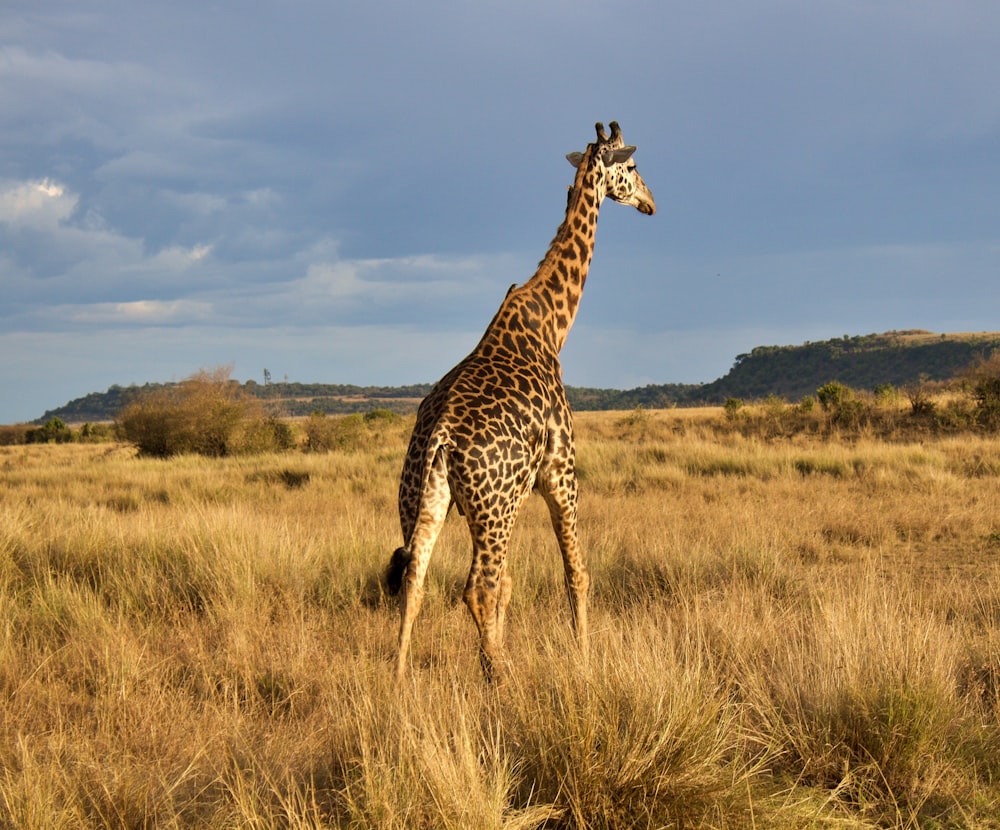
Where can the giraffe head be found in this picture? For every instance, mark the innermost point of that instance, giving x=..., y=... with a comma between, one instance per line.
x=612, y=160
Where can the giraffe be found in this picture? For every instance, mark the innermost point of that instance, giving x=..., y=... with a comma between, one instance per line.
x=498, y=424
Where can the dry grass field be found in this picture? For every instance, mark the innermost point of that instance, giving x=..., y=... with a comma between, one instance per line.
x=787, y=632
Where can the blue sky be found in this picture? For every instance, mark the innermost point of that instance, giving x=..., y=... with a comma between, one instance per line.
x=342, y=192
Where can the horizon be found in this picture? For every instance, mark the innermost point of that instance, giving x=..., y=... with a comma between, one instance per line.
x=905, y=334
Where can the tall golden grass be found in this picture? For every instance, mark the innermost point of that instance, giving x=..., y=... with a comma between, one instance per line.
x=787, y=632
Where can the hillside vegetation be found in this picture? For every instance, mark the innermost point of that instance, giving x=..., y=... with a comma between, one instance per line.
x=866, y=362
x=209, y=414
x=789, y=372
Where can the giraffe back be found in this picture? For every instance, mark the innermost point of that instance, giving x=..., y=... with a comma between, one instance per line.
x=494, y=415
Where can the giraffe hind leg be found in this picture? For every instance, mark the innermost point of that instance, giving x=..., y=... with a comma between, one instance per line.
x=487, y=592
x=408, y=565
x=482, y=601
x=503, y=601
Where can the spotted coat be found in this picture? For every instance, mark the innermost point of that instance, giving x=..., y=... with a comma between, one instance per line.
x=498, y=424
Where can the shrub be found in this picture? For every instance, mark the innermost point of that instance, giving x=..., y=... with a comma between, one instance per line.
x=850, y=413
x=12, y=434
x=284, y=436
x=147, y=423
x=320, y=432
x=54, y=432
x=845, y=408
x=732, y=407
x=381, y=416
x=205, y=414
x=266, y=435
x=984, y=380
x=919, y=396
x=832, y=395
x=886, y=394
x=345, y=432
x=96, y=433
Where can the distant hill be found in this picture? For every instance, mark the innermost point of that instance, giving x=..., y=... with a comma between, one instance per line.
x=288, y=399
x=789, y=372
x=863, y=362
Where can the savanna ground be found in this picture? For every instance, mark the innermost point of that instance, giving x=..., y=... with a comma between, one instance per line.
x=787, y=631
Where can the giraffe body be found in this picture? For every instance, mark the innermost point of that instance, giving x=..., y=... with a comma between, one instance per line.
x=498, y=424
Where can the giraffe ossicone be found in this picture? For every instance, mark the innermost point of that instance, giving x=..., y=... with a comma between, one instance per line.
x=498, y=424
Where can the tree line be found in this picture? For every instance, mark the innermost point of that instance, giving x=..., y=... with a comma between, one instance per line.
x=210, y=414
x=791, y=372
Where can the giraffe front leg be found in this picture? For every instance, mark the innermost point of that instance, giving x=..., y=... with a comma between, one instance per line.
x=559, y=489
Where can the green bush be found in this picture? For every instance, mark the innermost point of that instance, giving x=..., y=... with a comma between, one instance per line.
x=984, y=379
x=886, y=394
x=850, y=413
x=54, y=432
x=347, y=433
x=833, y=394
x=266, y=435
x=843, y=405
x=148, y=423
x=326, y=433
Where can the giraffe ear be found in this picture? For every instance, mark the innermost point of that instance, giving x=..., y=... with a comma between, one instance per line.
x=622, y=154
x=576, y=159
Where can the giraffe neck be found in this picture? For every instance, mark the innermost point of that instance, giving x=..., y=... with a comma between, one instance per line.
x=558, y=283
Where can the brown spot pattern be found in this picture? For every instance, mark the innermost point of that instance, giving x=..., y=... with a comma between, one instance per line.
x=498, y=425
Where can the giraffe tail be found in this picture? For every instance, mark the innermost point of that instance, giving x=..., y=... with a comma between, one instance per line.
x=395, y=570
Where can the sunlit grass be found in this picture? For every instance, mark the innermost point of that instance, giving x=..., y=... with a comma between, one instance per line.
x=787, y=632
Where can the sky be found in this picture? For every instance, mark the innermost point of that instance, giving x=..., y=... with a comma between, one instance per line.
x=342, y=192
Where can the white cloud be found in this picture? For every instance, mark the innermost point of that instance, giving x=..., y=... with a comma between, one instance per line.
x=175, y=258
x=141, y=312
x=52, y=69
x=75, y=258
x=95, y=274
x=40, y=204
x=333, y=280
x=410, y=280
